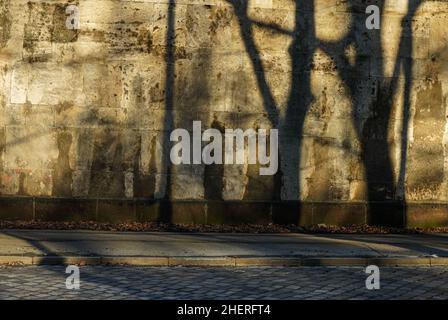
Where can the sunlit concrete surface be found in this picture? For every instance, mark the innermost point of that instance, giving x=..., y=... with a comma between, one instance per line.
x=90, y=243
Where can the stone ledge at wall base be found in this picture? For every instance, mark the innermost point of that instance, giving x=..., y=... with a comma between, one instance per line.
x=388, y=213
x=272, y=261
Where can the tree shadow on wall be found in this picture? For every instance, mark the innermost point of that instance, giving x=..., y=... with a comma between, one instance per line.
x=187, y=91
x=373, y=130
x=371, y=125
x=168, y=121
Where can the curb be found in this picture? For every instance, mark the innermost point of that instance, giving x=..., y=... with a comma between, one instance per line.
x=221, y=261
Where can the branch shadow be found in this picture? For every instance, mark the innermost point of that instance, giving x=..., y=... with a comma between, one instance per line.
x=372, y=130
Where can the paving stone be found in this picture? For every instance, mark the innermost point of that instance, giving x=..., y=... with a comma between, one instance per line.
x=127, y=282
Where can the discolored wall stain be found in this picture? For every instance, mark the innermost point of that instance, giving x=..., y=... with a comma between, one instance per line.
x=22, y=184
x=62, y=175
x=2, y=153
x=144, y=179
x=5, y=23
x=106, y=173
x=260, y=187
x=145, y=182
x=214, y=174
x=60, y=33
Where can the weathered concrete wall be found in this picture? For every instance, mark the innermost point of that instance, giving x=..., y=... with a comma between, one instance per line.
x=86, y=114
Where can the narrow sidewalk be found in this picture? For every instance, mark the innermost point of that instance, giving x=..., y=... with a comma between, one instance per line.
x=33, y=247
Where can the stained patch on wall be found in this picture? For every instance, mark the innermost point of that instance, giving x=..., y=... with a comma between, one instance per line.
x=60, y=32
x=62, y=176
x=5, y=23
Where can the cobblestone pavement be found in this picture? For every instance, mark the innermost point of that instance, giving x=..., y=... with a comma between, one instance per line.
x=103, y=282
